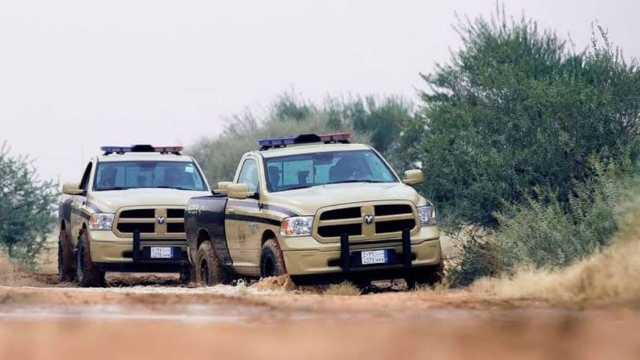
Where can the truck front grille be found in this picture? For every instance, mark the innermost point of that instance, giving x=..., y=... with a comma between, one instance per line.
x=369, y=221
x=153, y=223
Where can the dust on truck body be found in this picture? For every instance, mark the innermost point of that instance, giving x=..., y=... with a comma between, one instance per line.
x=127, y=214
x=315, y=207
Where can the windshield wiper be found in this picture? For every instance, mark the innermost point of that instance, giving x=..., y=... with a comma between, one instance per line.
x=114, y=188
x=297, y=187
x=356, y=181
x=171, y=187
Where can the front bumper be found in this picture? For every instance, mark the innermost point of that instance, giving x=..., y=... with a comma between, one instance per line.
x=326, y=259
x=113, y=253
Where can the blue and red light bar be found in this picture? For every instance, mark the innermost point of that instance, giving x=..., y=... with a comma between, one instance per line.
x=342, y=137
x=141, y=148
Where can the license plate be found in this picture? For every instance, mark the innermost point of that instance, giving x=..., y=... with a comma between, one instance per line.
x=161, y=252
x=373, y=257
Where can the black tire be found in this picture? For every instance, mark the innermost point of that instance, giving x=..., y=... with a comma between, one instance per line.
x=87, y=273
x=65, y=258
x=186, y=275
x=208, y=268
x=271, y=260
x=429, y=275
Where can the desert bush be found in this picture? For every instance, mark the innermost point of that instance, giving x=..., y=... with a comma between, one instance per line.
x=516, y=109
x=478, y=257
x=27, y=207
x=546, y=233
x=543, y=232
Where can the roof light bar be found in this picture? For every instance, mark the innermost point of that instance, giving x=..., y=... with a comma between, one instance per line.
x=342, y=137
x=108, y=150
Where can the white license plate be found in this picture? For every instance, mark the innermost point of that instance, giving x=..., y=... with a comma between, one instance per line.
x=161, y=252
x=373, y=257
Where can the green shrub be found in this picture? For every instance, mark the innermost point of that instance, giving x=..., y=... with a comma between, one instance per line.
x=517, y=109
x=544, y=232
x=479, y=257
x=27, y=207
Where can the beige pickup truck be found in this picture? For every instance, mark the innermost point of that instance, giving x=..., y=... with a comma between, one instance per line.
x=317, y=208
x=127, y=214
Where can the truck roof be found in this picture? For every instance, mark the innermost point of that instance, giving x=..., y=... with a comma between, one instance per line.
x=142, y=156
x=310, y=148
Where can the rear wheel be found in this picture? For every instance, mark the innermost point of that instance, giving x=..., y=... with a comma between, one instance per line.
x=271, y=260
x=65, y=258
x=208, y=269
x=87, y=273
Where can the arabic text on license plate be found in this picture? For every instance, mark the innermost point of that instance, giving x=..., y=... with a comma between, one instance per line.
x=161, y=253
x=373, y=257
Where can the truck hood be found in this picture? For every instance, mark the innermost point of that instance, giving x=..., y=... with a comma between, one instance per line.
x=111, y=201
x=308, y=201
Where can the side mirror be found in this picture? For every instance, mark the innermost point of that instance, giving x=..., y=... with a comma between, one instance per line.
x=223, y=187
x=413, y=177
x=239, y=191
x=72, y=189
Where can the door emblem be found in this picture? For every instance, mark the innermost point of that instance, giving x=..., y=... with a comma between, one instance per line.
x=368, y=219
x=160, y=220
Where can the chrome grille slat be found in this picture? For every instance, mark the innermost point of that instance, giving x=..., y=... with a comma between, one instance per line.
x=389, y=219
x=146, y=220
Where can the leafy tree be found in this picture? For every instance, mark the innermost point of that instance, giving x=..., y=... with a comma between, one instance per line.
x=516, y=109
x=26, y=207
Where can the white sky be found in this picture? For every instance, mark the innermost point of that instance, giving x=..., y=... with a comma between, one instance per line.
x=75, y=75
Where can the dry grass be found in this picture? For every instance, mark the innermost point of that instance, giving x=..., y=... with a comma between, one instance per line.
x=275, y=283
x=13, y=274
x=612, y=275
x=342, y=289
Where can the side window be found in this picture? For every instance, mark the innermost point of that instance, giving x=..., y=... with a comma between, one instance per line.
x=85, y=177
x=249, y=174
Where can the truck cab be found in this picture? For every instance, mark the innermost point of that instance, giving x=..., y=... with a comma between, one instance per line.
x=127, y=214
x=316, y=207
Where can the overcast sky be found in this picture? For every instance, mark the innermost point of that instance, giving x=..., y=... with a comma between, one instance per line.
x=75, y=75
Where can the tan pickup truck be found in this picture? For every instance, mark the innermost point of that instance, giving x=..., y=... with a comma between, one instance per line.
x=317, y=208
x=127, y=214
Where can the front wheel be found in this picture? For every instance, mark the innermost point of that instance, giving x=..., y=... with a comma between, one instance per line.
x=65, y=258
x=208, y=268
x=87, y=273
x=271, y=261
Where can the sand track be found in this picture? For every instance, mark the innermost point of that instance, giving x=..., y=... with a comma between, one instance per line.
x=152, y=322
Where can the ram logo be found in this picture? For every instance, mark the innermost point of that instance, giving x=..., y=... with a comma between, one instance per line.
x=368, y=219
x=160, y=220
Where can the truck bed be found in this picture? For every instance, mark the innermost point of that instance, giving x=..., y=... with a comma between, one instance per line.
x=204, y=220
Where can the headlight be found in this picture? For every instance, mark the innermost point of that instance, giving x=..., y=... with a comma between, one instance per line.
x=427, y=215
x=101, y=221
x=297, y=226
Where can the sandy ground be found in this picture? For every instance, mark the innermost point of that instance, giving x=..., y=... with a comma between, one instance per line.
x=152, y=317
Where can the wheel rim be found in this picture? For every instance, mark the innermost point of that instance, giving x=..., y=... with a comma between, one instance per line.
x=204, y=272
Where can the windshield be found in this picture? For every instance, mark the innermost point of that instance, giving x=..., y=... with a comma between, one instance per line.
x=124, y=175
x=301, y=171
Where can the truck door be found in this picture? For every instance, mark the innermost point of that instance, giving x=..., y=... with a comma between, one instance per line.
x=243, y=220
x=77, y=205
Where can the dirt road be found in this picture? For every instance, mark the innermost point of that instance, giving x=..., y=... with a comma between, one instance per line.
x=154, y=322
